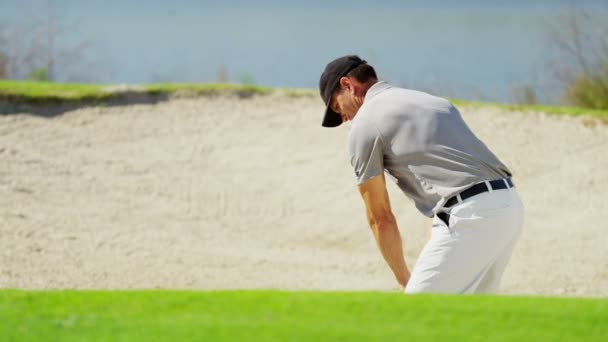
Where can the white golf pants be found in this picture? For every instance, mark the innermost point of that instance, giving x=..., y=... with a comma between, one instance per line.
x=471, y=254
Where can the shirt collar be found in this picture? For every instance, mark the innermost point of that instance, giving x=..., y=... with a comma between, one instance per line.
x=377, y=88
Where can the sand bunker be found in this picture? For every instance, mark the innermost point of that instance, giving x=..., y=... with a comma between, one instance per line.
x=222, y=192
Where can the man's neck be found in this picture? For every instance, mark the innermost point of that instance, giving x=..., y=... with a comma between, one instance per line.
x=368, y=85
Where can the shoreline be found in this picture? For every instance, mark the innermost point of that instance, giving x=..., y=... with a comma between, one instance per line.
x=35, y=97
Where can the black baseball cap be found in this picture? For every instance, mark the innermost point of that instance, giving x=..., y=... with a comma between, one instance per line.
x=330, y=79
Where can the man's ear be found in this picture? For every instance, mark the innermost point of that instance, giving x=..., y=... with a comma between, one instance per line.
x=345, y=82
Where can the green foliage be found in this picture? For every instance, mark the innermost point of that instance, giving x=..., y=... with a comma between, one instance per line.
x=247, y=79
x=203, y=88
x=552, y=110
x=293, y=316
x=39, y=75
x=45, y=92
x=37, y=92
x=589, y=91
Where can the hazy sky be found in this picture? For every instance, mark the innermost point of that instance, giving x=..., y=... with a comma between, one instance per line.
x=464, y=48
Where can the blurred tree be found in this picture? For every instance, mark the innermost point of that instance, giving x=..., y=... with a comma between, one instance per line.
x=589, y=90
x=222, y=74
x=246, y=79
x=582, y=42
x=29, y=50
x=40, y=74
x=524, y=95
x=2, y=66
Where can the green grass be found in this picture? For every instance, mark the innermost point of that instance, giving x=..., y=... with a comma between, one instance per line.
x=26, y=92
x=202, y=88
x=22, y=91
x=44, y=92
x=556, y=110
x=288, y=316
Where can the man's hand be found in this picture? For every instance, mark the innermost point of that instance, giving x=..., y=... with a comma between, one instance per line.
x=384, y=226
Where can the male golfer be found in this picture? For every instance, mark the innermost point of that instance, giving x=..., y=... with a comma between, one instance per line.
x=426, y=148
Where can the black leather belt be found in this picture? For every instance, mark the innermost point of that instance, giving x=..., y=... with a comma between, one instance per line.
x=476, y=189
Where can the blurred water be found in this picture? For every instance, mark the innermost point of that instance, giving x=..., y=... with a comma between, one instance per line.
x=467, y=49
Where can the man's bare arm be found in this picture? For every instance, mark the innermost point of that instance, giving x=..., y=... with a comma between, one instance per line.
x=384, y=226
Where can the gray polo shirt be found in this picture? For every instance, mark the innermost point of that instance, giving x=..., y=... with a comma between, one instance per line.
x=422, y=143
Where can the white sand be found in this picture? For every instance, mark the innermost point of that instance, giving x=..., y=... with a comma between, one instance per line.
x=252, y=193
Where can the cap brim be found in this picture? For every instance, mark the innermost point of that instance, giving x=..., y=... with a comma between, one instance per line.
x=331, y=118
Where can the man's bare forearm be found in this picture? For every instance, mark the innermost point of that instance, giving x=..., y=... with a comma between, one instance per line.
x=389, y=242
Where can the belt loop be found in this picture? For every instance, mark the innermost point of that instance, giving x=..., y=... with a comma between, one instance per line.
x=506, y=183
x=459, y=198
x=489, y=186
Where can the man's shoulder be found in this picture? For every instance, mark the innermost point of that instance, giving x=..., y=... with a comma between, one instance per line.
x=360, y=125
x=403, y=104
x=363, y=129
x=409, y=96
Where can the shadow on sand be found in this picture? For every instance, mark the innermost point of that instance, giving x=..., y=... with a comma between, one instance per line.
x=49, y=108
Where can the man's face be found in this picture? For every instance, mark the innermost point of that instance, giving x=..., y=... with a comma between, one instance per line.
x=347, y=99
x=343, y=102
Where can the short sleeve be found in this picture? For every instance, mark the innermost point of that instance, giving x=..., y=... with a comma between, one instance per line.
x=366, y=151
